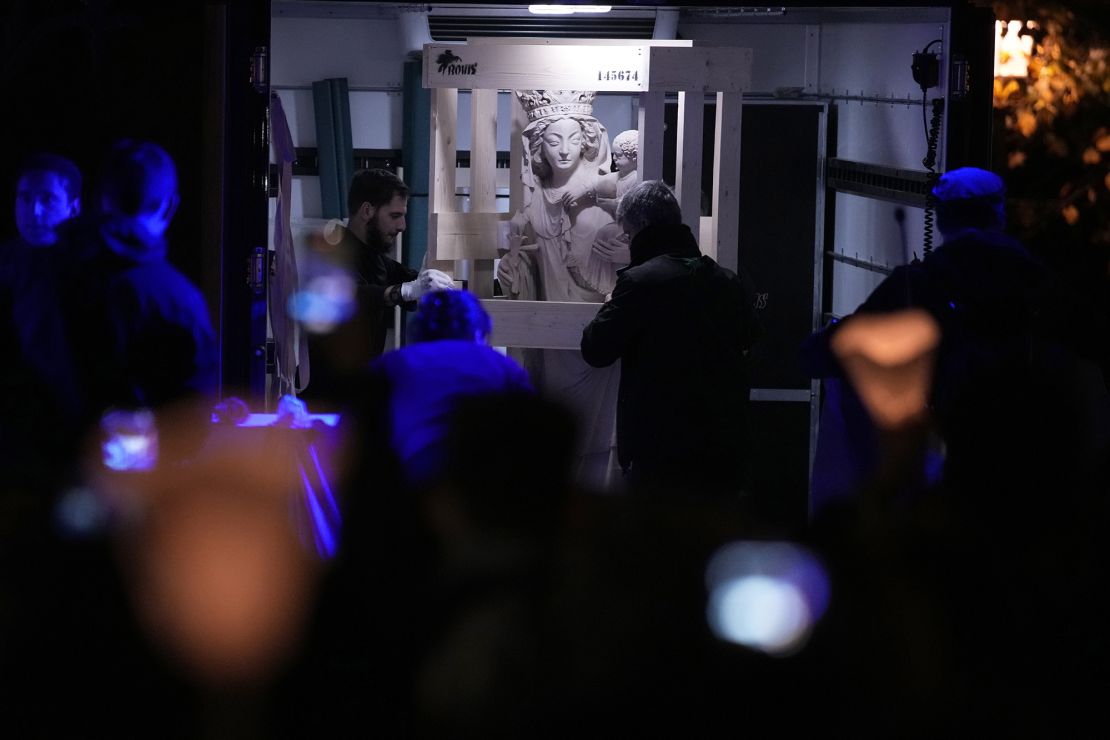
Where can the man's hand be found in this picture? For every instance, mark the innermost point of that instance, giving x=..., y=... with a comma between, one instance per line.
x=575, y=203
x=427, y=281
x=612, y=244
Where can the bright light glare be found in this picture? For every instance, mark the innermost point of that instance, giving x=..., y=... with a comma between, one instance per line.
x=765, y=595
x=326, y=302
x=760, y=612
x=130, y=440
x=80, y=512
x=130, y=452
x=567, y=9
x=1011, y=49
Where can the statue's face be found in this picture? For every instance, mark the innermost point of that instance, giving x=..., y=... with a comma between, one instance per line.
x=562, y=144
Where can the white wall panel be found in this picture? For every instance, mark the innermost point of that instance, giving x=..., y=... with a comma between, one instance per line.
x=778, y=51
x=874, y=57
x=368, y=53
x=377, y=119
x=881, y=133
x=873, y=60
x=867, y=229
x=853, y=285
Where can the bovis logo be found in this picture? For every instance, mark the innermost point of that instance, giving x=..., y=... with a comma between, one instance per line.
x=450, y=64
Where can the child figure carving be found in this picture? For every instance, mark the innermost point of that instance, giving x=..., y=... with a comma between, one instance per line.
x=610, y=247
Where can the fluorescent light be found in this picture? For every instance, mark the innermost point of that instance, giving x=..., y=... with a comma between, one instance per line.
x=567, y=9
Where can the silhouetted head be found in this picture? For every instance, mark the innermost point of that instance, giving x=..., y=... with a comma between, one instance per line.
x=528, y=489
x=377, y=203
x=139, y=181
x=650, y=203
x=450, y=314
x=47, y=193
x=970, y=198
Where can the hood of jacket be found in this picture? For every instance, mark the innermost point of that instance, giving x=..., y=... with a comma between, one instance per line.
x=130, y=240
x=674, y=240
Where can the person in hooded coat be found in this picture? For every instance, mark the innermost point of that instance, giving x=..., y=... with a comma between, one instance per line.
x=682, y=327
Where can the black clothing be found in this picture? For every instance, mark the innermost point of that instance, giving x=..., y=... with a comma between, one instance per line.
x=139, y=329
x=681, y=326
x=338, y=357
x=1008, y=366
x=100, y=320
x=35, y=376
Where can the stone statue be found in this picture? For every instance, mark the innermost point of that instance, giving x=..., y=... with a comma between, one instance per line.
x=610, y=247
x=568, y=195
x=626, y=158
x=552, y=253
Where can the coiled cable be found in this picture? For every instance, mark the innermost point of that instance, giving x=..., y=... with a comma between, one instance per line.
x=930, y=161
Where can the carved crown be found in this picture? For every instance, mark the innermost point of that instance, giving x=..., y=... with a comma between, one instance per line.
x=543, y=103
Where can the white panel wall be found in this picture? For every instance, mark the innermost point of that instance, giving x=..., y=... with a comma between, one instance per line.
x=778, y=51
x=873, y=60
x=368, y=52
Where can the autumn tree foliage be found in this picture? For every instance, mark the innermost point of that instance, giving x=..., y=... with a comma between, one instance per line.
x=1052, y=132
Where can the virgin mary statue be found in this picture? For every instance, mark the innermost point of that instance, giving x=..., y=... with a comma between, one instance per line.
x=565, y=173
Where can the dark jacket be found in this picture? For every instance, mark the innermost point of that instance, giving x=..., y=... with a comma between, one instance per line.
x=100, y=320
x=681, y=326
x=338, y=358
x=139, y=330
x=1013, y=395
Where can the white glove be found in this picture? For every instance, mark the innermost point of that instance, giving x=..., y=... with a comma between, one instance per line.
x=427, y=281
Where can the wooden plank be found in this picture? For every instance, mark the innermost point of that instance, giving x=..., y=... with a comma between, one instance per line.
x=483, y=183
x=441, y=180
x=702, y=68
x=691, y=109
x=466, y=236
x=650, y=162
x=707, y=237
x=480, y=282
x=445, y=113
x=726, y=178
x=483, y=150
x=516, y=155
x=613, y=68
x=544, y=324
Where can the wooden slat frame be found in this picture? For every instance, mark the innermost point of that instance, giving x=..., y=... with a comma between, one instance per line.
x=541, y=324
x=441, y=184
x=672, y=67
x=691, y=112
x=467, y=236
x=483, y=186
x=726, y=179
x=702, y=68
x=649, y=164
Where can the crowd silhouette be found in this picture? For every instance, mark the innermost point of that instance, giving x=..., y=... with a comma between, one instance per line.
x=473, y=589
